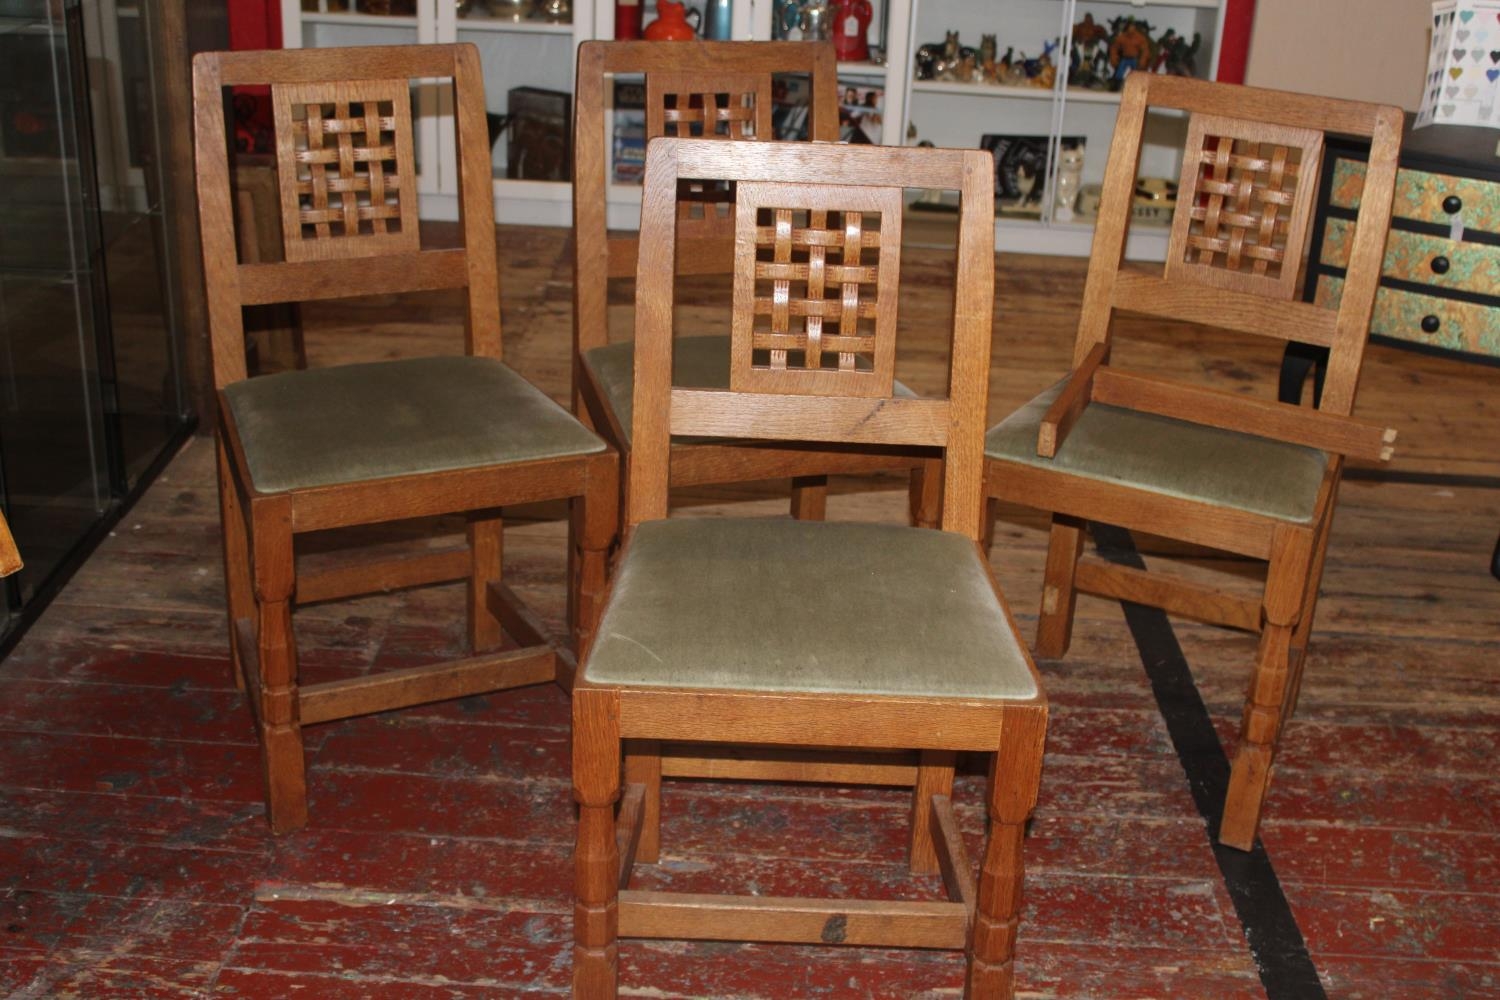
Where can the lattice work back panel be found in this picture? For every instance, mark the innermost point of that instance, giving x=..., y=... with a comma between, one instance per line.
x=1243, y=205
x=345, y=165
x=700, y=106
x=816, y=277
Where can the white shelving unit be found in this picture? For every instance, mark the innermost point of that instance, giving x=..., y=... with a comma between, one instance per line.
x=541, y=54
x=960, y=114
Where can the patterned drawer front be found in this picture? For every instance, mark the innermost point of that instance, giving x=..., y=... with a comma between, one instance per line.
x=1420, y=195
x=1461, y=326
x=1473, y=267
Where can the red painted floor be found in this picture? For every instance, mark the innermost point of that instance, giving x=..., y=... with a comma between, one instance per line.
x=135, y=862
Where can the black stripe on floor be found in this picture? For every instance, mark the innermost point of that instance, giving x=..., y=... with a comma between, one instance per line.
x=1276, y=945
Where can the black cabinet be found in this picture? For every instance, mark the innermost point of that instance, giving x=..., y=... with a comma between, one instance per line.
x=91, y=393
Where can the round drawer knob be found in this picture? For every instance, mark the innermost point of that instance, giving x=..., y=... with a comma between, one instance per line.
x=1440, y=265
x=1453, y=204
x=1430, y=323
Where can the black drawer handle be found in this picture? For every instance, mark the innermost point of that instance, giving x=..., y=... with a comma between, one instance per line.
x=1430, y=323
x=1440, y=265
x=1453, y=204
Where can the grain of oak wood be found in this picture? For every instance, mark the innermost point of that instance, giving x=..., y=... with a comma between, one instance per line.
x=1238, y=234
x=349, y=227
x=854, y=189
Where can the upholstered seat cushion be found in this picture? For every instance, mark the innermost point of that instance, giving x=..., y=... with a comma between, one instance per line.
x=697, y=362
x=354, y=423
x=782, y=605
x=1172, y=457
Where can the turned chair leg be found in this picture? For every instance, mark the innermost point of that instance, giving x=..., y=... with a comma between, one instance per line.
x=810, y=498
x=596, y=787
x=486, y=555
x=1015, y=777
x=239, y=588
x=278, y=714
x=1267, y=701
x=1054, y=629
x=643, y=767
x=925, y=500
x=934, y=777
x=1302, y=634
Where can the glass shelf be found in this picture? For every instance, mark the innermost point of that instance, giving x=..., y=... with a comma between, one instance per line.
x=504, y=25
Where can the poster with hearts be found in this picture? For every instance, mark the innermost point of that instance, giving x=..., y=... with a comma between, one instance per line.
x=1462, y=86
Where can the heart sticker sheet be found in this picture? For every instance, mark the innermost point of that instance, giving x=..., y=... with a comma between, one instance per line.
x=1462, y=86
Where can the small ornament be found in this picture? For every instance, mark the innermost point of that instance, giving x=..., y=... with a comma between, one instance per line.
x=671, y=24
x=851, y=24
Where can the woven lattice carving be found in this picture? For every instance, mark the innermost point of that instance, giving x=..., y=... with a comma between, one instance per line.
x=733, y=106
x=344, y=157
x=730, y=106
x=1243, y=204
x=815, y=307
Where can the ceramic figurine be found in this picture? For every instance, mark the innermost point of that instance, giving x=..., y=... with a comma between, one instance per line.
x=987, y=48
x=1069, y=179
x=1013, y=70
x=934, y=61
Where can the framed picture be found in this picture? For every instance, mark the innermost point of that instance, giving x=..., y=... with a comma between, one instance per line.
x=861, y=112
x=1021, y=170
x=539, y=148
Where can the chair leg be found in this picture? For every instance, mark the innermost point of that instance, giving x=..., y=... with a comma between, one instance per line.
x=987, y=529
x=643, y=767
x=591, y=530
x=1015, y=777
x=278, y=714
x=486, y=549
x=239, y=589
x=596, y=787
x=809, y=497
x=1302, y=634
x=926, y=493
x=1054, y=630
x=1267, y=702
x=934, y=777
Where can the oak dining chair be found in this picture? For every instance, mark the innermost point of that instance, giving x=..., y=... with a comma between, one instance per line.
x=1213, y=466
x=710, y=90
x=777, y=634
x=300, y=452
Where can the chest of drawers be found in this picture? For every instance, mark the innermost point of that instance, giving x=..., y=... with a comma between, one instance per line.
x=1440, y=283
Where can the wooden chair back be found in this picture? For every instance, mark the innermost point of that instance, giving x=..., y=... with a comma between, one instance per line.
x=347, y=186
x=693, y=90
x=1242, y=220
x=817, y=259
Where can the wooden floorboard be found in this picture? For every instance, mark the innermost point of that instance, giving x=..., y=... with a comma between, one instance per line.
x=134, y=861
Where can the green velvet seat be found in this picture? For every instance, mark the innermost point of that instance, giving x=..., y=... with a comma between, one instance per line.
x=782, y=605
x=1171, y=457
x=355, y=423
x=697, y=362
